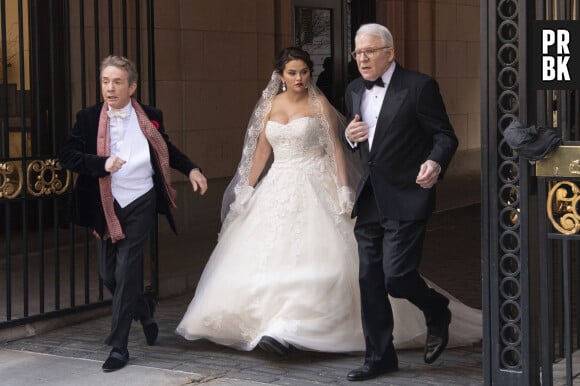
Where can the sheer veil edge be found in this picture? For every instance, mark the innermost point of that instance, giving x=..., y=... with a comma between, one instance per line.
x=333, y=123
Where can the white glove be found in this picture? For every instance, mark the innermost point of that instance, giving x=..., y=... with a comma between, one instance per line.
x=240, y=204
x=345, y=199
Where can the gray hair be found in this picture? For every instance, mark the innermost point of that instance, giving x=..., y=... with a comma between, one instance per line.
x=378, y=30
x=122, y=63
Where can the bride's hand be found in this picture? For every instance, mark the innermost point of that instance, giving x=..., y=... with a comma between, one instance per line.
x=240, y=204
x=345, y=199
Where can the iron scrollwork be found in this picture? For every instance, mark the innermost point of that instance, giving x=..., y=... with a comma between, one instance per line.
x=562, y=207
x=11, y=181
x=45, y=177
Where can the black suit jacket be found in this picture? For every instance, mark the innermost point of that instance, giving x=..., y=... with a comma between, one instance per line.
x=412, y=127
x=79, y=154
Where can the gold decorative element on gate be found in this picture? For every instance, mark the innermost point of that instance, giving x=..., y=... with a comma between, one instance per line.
x=562, y=207
x=11, y=181
x=574, y=167
x=562, y=162
x=45, y=177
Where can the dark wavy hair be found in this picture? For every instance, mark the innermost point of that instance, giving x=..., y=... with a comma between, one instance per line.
x=292, y=53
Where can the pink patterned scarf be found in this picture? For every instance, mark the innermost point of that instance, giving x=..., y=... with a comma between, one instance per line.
x=155, y=139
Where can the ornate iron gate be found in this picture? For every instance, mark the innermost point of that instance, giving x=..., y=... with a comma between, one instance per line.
x=50, y=55
x=530, y=268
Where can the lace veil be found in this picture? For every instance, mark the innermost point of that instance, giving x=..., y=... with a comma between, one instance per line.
x=341, y=161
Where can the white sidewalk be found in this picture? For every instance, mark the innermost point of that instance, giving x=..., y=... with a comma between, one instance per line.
x=20, y=368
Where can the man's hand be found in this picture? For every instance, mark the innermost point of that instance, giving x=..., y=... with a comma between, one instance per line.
x=357, y=130
x=428, y=174
x=114, y=164
x=198, y=181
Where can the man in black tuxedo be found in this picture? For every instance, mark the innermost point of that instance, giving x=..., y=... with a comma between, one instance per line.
x=399, y=125
x=122, y=155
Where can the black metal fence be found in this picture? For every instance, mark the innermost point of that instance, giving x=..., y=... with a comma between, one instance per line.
x=50, y=56
x=530, y=228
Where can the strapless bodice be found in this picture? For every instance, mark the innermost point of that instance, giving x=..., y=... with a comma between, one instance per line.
x=296, y=141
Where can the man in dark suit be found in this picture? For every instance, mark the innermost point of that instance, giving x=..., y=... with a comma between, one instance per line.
x=122, y=155
x=399, y=125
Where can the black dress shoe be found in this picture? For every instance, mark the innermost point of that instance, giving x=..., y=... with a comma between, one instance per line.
x=117, y=360
x=437, y=338
x=150, y=328
x=368, y=371
x=271, y=345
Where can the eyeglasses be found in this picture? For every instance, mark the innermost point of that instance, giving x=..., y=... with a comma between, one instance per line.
x=368, y=52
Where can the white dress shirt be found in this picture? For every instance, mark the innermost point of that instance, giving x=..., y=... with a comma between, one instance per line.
x=372, y=102
x=130, y=144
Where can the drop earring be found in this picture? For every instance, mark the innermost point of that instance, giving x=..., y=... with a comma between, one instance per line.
x=283, y=86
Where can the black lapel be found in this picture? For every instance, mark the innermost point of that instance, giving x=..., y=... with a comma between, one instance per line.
x=356, y=95
x=394, y=97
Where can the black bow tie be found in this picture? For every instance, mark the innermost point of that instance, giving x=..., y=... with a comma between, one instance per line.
x=377, y=82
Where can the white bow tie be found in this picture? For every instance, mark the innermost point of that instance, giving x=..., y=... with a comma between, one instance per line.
x=116, y=113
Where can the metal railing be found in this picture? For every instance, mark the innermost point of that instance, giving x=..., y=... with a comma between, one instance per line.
x=531, y=270
x=51, y=51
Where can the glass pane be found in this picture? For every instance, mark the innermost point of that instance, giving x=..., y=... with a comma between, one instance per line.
x=15, y=95
x=313, y=34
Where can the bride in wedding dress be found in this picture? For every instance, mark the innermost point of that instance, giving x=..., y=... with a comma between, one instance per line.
x=285, y=268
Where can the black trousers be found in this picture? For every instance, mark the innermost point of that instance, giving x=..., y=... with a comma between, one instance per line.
x=121, y=267
x=389, y=253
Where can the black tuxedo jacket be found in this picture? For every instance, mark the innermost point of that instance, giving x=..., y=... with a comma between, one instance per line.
x=79, y=154
x=412, y=127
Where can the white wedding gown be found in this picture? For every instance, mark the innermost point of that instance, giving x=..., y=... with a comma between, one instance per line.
x=288, y=267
